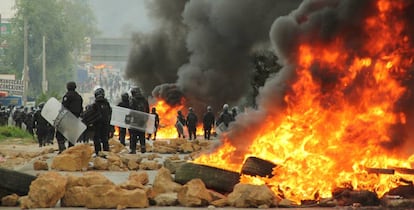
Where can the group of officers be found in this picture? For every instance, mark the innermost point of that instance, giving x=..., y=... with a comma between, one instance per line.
x=209, y=121
x=97, y=117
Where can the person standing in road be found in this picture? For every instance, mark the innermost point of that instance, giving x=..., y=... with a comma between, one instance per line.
x=156, y=124
x=124, y=103
x=208, y=122
x=72, y=101
x=140, y=103
x=192, y=123
x=41, y=126
x=102, y=124
x=180, y=123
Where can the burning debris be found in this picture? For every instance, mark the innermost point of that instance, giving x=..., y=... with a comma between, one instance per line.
x=340, y=104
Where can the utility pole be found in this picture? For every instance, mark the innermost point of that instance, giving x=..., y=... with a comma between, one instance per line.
x=44, y=81
x=25, y=74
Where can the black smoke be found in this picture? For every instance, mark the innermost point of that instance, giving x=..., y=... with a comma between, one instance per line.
x=214, y=46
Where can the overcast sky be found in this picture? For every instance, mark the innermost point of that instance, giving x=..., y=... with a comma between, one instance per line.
x=116, y=18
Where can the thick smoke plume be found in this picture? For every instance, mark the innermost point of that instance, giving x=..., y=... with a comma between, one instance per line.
x=320, y=21
x=219, y=36
x=155, y=57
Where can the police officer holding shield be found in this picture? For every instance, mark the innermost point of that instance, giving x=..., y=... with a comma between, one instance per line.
x=140, y=103
x=72, y=101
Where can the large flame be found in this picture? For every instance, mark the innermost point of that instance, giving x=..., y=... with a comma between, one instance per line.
x=331, y=131
x=168, y=118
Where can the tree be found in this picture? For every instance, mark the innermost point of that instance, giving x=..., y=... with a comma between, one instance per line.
x=65, y=24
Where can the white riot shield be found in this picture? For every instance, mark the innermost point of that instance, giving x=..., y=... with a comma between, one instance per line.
x=128, y=118
x=221, y=128
x=63, y=120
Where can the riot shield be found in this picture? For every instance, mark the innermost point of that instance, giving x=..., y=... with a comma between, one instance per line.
x=221, y=128
x=63, y=120
x=128, y=118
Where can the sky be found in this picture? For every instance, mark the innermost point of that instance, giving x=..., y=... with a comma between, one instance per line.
x=6, y=8
x=115, y=18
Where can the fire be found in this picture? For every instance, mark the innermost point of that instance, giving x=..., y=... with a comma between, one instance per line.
x=341, y=115
x=168, y=118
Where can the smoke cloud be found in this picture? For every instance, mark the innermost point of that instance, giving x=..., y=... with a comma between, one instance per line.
x=208, y=58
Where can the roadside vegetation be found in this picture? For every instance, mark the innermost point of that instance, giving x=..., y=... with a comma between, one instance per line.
x=15, y=135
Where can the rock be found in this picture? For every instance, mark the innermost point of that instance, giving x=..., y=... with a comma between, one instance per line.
x=166, y=199
x=110, y=197
x=252, y=196
x=163, y=183
x=100, y=163
x=40, y=165
x=136, y=180
x=115, y=146
x=194, y=194
x=75, y=158
x=45, y=191
x=10, y=200
x=172, y=165
x=149, y=165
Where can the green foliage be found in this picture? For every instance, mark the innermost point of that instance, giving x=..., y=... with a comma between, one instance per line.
x=44, y=97
x=12, y=132
x=65, y=24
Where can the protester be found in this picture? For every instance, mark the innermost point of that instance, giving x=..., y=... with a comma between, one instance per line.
x=124, y=103
x=72, y=101
x=102, y=123
x=208, y=122
x=156, y=124
x=192, y=124
x=180, y=123
x=140, y=103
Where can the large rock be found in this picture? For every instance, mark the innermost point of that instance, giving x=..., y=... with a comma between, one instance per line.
x=76, y=188
x=75, y=158
x=163, y=183
x=252, y=196
x=40, y=165
x=110, y=197
x=194, y=193
x=45, y=191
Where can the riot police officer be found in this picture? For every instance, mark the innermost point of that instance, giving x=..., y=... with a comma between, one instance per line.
x=140, y=103
x=73, y=102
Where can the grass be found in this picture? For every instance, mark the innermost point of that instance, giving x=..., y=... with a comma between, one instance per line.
x=12, y=133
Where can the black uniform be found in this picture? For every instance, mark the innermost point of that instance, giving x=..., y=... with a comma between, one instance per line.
x=156, y=123
x=122, y=131
x=208, y=123
x=42, y=128
x=180, y=124
x=140, y=103
x=102, y=124
x=192, y=124
x=73, y=102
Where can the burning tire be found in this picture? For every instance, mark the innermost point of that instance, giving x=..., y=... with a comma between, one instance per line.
x=214, y=178
x=257, y=167
x=14, y=182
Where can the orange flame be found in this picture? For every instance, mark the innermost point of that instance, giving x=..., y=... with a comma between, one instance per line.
x=168, y=118
x=330, y=132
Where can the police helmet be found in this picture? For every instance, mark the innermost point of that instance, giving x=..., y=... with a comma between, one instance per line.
x=71, y=85
x=209, y=108
x=124, y=96
x=135, y=91
x=225, y=106
x=99, y=92
x=41, y=105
